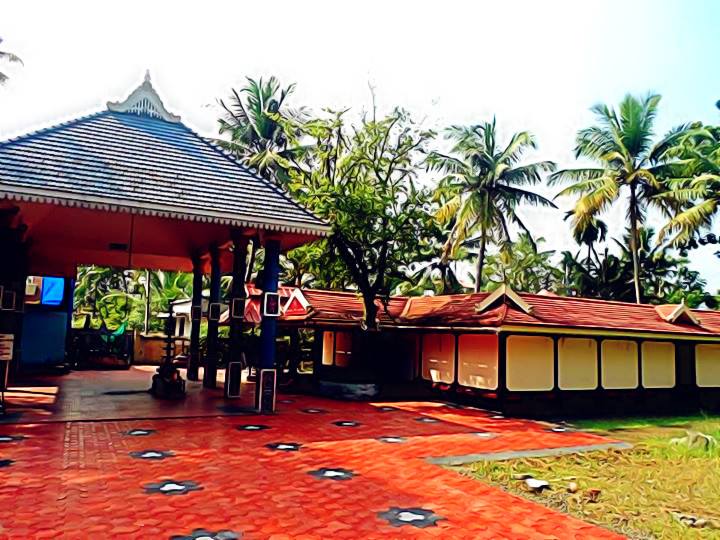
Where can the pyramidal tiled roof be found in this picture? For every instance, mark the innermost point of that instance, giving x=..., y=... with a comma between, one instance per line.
x=138, y=157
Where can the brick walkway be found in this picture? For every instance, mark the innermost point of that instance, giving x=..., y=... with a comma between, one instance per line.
x=318, y=469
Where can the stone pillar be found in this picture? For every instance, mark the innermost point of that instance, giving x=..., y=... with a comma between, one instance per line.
x=193, y=367
x=237, y=306
x=210, y=374
x=268, y=327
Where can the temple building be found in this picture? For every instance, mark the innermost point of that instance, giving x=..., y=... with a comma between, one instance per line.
x=529, y=353
x=133, y=187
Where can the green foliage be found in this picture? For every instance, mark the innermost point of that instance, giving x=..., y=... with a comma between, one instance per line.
x=255, y=120
x=111, y=297
x=362, y=180
x=482, y=187
x=664, y=277
x=108, y=297
x=165, y=288
x=521, y=266
x=693, y=185
x=430, y=271
x=628, y=165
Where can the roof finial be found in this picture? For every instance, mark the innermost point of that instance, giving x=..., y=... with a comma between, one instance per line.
x=144, y=101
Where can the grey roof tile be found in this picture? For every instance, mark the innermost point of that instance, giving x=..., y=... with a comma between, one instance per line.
x=149, y=165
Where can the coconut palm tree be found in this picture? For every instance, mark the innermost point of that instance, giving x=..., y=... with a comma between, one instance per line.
x=694, y=185
x=483, y=186
x=9, y=58
x=627, y=165
x=592, y=232
x=258, y=135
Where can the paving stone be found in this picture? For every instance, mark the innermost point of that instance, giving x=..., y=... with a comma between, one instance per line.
x=75, y=479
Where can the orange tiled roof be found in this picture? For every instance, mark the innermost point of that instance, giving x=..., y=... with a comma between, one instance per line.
x=460, y=310
x=560, y=311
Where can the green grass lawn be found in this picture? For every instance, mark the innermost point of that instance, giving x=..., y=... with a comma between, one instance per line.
x=634, y=492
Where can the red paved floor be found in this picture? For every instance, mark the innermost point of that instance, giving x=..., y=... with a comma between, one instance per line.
x=79, y=479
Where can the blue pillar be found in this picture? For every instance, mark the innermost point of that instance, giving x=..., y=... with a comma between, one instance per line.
x=268, y=326
x=268, y=330
x=193, y=368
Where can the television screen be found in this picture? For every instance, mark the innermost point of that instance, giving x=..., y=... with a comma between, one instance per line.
x=52, y=291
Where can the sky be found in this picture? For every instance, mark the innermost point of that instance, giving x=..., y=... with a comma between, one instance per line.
x=536, y=66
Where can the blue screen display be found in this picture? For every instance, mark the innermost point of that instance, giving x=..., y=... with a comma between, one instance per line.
x=52, y=291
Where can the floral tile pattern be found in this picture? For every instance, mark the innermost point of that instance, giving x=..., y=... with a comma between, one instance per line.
x=391, y=439
x=140, y=432
x=252, y=427
x=313, y=410
x=332, y=474
x=346, y=423
x=204, y=534
x=172, y=487
x=416, y=517
x=11, y=438
x=151, y=454
x=284, y=447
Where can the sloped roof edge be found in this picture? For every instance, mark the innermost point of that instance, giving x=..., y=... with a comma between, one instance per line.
x=504, y=292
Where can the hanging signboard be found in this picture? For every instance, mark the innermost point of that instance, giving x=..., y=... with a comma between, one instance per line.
x=237, y=308
x=271, y=304
x=267, y=385
x=214, y=311
x=6, y=347
x=7, y=300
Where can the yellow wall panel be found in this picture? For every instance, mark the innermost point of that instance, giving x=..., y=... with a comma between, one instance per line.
x=327, y=352
x=478, y=361
x=619, y=364
x=707, y=365
x=658, y=364
x=577, y=364
x=530, y=364
x=438, y=358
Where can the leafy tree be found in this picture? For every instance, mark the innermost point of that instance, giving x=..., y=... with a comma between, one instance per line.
x=665, y=278
x=310, y=266
x=694, y=186
x=621, y=146
x=429, y=271
x=7, y=57
x=521, y=266
x=361, y=179
x=255, y=120
x=165, y=288
x=591, y=233
x=483, y=186
x=108, y=297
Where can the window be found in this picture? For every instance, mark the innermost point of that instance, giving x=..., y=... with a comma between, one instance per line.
x=343, y=349
x=577, y=364
x=438, y=358
x=478, y=361
x=530, y=364
x=619, y=364
x=707, y=365
x=328, y=348
x=337, y=349
x=658, y=364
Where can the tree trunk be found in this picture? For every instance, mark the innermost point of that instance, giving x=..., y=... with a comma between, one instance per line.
x=634, y=243
x=371, y=311
x=480, y=262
